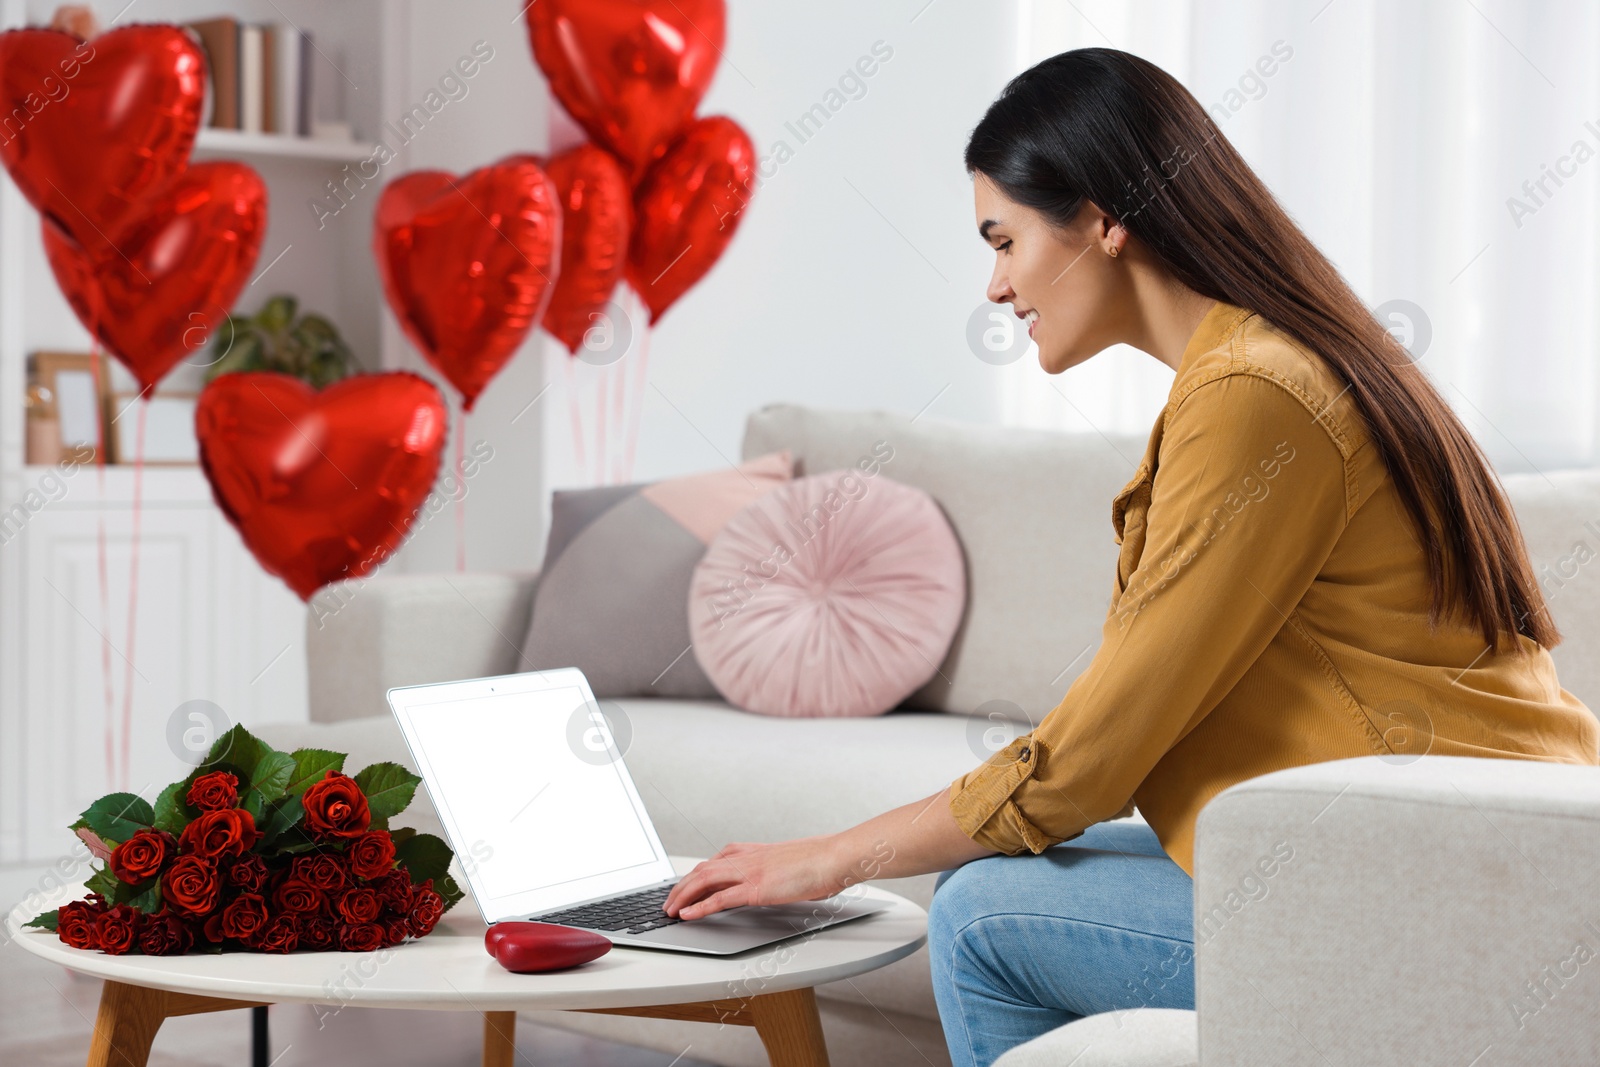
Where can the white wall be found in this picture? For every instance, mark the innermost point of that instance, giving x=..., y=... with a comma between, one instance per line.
x=506, y=110
x=848, y=283
x=857, y=264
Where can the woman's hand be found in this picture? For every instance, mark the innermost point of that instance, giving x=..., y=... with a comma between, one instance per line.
x=804, y=869
x=918, y=838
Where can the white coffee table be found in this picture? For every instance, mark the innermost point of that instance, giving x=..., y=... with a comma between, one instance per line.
x=769, y=988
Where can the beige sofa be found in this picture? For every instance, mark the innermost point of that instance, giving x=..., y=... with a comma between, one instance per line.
x=1403, y=855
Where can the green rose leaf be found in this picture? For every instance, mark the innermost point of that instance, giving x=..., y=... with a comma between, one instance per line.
x=171, y=813
x=144, y=896
x=404, y=833
x=257, y=764
x=389, y=788
x=118, y=816
x=223, y=750
x=446, y=887
x=253, y=802
x=272, y=773
x=294, y=842
x=103, y=882
x=425, y=856
x=310, y=766
x=47, y=921
x=282, y=815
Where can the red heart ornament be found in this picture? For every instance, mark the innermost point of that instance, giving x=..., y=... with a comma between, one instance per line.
x=94, y=127
x=321, y=486
x=630, y=72
x=468, y=263
x=686, y=210
x=595, y=209
x=531, y=948
x=174, y=272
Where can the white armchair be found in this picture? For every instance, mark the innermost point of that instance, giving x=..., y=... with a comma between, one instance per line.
x=1442, y=910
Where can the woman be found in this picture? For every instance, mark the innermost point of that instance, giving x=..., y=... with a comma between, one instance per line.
x=1316, y=563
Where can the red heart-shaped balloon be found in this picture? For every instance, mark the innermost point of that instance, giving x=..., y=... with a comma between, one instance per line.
x=596, y=205
x=631, y=72
x=321, y=486
x=468, y=263
x=94, y=127
x=686, y=209
x=174, y=272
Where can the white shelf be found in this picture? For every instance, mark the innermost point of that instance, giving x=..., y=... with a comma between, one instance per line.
x=163, y=485
x=216, y=142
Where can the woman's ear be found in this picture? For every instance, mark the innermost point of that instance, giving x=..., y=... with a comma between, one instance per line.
x=1105, y=230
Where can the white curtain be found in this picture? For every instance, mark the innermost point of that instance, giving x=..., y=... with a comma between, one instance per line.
x=1445, y=154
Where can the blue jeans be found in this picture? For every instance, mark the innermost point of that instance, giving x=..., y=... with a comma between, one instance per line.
x=1023, y=944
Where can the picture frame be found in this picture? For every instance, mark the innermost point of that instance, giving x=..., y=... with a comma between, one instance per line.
x=169, y=439
x=77, y=396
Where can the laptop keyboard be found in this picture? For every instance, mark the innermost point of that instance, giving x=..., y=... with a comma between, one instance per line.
x=635, y=913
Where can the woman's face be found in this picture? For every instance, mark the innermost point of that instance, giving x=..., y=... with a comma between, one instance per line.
x=1078, y=294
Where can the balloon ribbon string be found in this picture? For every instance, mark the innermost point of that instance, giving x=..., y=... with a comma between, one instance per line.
x=619, y=475
x=598, y=476
x=639, y=380
x=133, y=593
x=574, y=414
x=96, y=359
x=461, y=484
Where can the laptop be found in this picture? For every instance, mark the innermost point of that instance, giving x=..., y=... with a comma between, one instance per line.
x=541, y=810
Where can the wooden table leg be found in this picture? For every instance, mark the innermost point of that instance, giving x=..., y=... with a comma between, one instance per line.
x=499, y=1038
x=787, y=1023
x=126, y=1025
x=790, y=1028
x=130, y=1015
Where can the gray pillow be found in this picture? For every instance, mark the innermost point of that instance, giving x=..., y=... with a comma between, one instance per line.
x=613, y=594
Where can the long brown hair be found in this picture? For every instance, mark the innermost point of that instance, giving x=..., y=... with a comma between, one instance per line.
x=1105, y=126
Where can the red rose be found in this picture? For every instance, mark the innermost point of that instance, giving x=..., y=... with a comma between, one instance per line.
x=248, y=872
x=336, y=807
x=212, y=928
x=191, y=886
x=75, y=924
x=372, y=854
x=316, y=932
x=396, y=931
x=229, y=832
x=165, y=934
x=395, y=890
x=298, y=897
x=280, y=935
x=361, y=937
x=324, y=870
x=359, y=905
x=141, y=856
x=117, y=929
x=214, y=792
x=426, y=908
x=244, y=916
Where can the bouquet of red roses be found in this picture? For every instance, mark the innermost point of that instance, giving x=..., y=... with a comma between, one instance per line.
x=259, y=850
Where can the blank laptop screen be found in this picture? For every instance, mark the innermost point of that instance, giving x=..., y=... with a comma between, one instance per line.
x=533, y=794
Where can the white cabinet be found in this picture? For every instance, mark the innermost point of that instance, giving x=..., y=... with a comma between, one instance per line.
x=209, y=625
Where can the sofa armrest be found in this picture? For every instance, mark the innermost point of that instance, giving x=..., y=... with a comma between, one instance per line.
x=1390, y=910
x=364, y=637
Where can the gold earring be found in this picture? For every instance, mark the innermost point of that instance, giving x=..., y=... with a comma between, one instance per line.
x=1113, y=251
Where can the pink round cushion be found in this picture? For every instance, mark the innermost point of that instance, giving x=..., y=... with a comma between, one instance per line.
x=831, y=595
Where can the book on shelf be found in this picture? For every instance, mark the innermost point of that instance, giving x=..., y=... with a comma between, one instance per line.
x=260, y=76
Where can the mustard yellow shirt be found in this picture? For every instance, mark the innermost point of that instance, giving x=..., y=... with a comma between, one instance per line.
x=1270, y=610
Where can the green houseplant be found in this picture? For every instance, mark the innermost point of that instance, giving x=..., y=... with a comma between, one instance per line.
x=307, y=347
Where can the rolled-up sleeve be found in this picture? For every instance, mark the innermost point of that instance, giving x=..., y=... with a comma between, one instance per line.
x=1248, y=499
